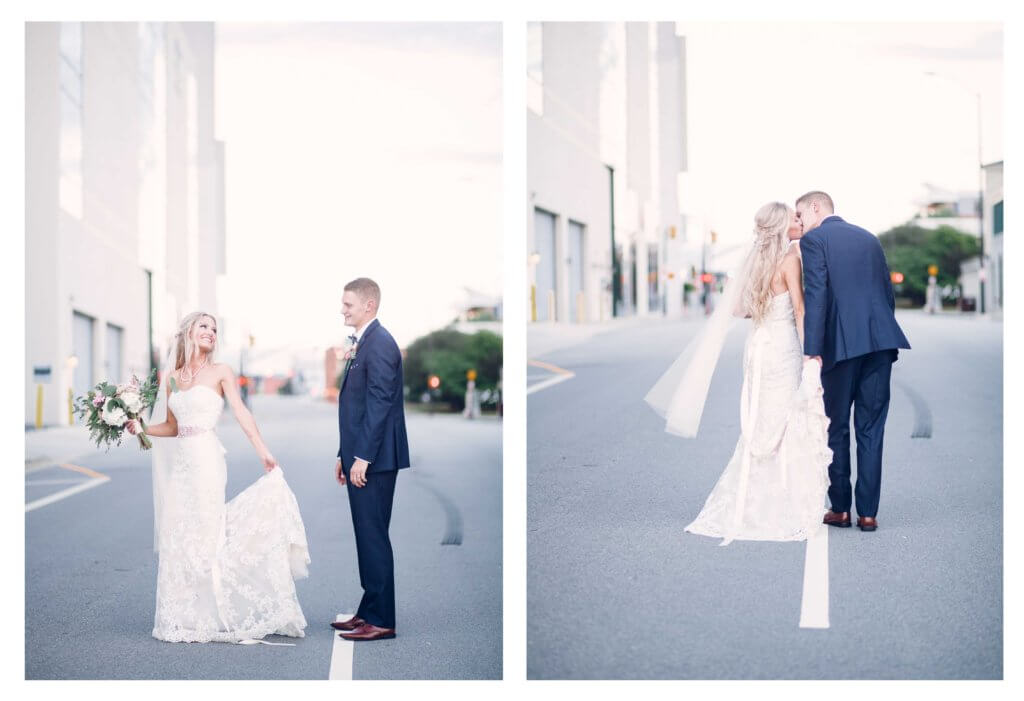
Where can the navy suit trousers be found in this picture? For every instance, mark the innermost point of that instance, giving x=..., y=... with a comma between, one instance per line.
x=862, y=383
x=371, y=517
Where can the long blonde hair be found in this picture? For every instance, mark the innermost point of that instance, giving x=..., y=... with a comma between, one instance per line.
x=770, y=226
x=185, y=347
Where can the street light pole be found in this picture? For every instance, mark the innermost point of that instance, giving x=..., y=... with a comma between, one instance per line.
x=981, y=212
x=981, y=193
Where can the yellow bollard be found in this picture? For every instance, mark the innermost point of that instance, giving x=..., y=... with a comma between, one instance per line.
x=533, y=303
x=581, y=308
x=39, y=406
x=71, y=408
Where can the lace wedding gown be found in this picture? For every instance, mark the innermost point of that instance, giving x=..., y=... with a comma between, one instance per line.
x=226, y=571
x=774, y=486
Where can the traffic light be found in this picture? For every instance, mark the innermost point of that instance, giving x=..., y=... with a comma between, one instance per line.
x=933, y=270
x=433, y=382
x=897, y=278
x=706, y=278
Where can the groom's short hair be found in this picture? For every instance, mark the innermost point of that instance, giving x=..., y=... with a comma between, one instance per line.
x=822, y=198
x=365, y=288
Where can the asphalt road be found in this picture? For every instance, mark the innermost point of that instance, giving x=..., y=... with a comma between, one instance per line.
x=90, y=572
x=616, y=589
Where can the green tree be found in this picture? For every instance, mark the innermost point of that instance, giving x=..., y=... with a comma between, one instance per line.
x=911, y=249
x=450, y=354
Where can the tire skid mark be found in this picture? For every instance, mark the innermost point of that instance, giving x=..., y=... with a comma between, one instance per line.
x=922, y=413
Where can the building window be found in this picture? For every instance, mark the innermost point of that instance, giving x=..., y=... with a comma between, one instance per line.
x=997, y=218
x=71, y=118
x=535, y=67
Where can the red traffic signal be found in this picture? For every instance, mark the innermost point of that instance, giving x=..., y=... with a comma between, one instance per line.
x=897, y=278
x=707, y=278
x=433, y=382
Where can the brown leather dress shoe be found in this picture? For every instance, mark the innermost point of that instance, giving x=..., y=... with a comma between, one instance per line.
x=839, y=520
x=350, y=624
x=368, y=631
x=867, y=523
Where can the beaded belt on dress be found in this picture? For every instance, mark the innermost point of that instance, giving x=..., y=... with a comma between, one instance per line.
x=186, y=431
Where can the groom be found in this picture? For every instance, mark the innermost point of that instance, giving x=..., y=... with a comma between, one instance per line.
x=373, y=447
x=850, y=328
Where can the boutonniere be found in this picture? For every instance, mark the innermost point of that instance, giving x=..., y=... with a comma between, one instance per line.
x=350, y=352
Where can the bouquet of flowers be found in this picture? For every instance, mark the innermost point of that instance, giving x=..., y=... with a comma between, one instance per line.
x=108, y=408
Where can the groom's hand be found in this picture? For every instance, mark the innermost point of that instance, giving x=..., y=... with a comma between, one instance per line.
x=358, y=473
x=339, y=473
x=816, y=357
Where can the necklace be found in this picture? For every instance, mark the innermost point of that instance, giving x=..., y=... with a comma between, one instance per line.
x=187, y=374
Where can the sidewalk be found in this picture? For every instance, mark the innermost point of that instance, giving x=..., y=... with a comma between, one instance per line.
x=55, y=444
x=987, y=317
x=544, y=337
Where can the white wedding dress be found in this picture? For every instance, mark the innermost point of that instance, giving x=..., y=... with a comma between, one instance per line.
x=226, y=571
x=774, y=486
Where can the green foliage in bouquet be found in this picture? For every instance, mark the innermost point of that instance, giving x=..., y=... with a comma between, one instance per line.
x=107, y=408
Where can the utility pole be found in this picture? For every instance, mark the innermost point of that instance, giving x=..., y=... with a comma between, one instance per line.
x=981, y=214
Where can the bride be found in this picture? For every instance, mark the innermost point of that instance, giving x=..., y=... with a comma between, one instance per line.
x=226, y=571
x=774, y=486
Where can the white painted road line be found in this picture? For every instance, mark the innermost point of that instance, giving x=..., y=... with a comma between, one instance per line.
x=65, y=493
x=814, y=607
x=70, y=480
x=544, y=384
x=341, y=653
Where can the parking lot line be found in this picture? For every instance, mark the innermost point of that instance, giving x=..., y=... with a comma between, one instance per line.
x=96, y=480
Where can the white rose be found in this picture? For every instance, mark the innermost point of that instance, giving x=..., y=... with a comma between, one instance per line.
x=113, y=415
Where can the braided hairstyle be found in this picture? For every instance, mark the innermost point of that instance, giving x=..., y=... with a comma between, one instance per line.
x=770, y=243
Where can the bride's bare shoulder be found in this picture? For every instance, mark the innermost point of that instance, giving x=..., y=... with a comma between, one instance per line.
x=223, y=370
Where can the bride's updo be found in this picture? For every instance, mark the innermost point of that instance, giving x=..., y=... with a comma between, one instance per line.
x=185, y=347
x=770, y=242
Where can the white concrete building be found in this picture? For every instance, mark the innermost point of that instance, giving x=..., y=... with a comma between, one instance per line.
x=971, y=270
x=992, y=227
x=606, y=144
x=124, y=200
x=992, y=209
x=941, y=207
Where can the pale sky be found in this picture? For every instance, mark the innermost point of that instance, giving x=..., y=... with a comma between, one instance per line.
x=358, y=150
x=777, y=109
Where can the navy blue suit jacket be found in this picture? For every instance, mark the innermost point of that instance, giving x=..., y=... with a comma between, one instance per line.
x=371, y=406
x=848, y=297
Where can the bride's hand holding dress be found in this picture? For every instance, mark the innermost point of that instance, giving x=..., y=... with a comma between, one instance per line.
x=226, y=571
